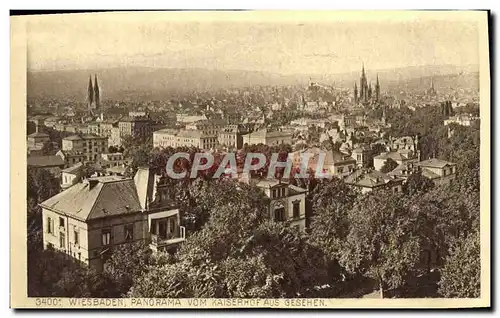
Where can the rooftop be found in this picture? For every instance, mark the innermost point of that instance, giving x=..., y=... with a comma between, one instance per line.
x=435, y=163
x=38, y=134
x=45, y=161
x=96, y=197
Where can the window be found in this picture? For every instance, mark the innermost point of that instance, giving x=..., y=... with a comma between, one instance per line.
x=61, y=222
x=106, y=237
x=340, y=170
x=359, y=158
x=296, y=209
x=77, y=236
x=275, y=193
x=279, y=215
x=79, y=256
x=172, y=225
x=62, y=240
x=283, y=192
x=50, y=229
x=129, y=232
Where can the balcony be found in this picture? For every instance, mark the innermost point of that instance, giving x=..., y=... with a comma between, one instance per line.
x=160, y=242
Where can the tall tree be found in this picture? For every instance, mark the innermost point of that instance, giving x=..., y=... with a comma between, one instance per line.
x=461, y=275
x=381, y=243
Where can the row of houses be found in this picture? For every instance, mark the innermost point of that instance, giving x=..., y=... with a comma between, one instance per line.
x=210, y=136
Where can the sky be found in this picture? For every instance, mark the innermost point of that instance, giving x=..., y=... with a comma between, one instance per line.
x=291, y=43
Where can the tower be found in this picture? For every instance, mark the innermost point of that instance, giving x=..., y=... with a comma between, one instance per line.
x=363, y=96
x=355, y=93
x=90, y=93
x=370, y=91
x=377, y=90
x=96, y=94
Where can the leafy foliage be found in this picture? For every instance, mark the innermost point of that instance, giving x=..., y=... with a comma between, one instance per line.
x=461, y=275
x=381, y=242
x=388, y=165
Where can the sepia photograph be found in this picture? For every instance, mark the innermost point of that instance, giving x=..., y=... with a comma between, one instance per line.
x=250, y=159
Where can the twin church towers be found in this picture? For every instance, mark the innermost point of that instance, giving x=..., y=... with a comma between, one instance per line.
x=93, y=99
x=366, y=92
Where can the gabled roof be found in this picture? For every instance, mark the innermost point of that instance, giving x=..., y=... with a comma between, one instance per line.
x=37, y=134
x=45, y=161
x=435, y=163
x=70, y=153
x=269, y=184
x=95, y=198
x=370, y=179
x=405, y=166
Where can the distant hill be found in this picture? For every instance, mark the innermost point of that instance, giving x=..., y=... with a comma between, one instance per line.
x=158, y=83
x=442, y=83
x=117, y=82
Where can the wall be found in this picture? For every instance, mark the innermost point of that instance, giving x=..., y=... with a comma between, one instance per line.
x=117, y=226
x=70, y=225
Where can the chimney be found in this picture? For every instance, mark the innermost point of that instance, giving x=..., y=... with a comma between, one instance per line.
x=92, y=183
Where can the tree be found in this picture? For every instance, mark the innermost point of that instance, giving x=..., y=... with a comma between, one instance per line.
x=42, y=184
x=461, y=275
x=331, y=200
x=377, y=149
x=88, y=170
x=389, y=165
x=331, y=191
x=126, y=262
x=417, y=183
x=381, y=243
x=237, y=239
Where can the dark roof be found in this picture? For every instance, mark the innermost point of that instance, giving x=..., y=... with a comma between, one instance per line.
x=435, y=163
x=96, y=197
x=370, y=179
x=38, y=134
x=73, y=137
x=45, y=161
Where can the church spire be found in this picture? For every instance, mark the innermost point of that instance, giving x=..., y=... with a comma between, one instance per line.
x=377, y=89
x=355, y=93
x=90, y=92
x=96, y=93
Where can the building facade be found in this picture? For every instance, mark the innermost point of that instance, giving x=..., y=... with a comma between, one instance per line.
x=89, y=219
x=268, y=137
x=89, y=145
x=183, y=138
x=287, y=202
x=135, y=127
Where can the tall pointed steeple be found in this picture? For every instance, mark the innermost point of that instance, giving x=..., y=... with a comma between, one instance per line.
x=377, y=90
x=355, y=93
x=96, y=94
x=90, y=93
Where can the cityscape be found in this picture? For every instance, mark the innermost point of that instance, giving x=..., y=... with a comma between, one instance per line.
x=154, y=180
